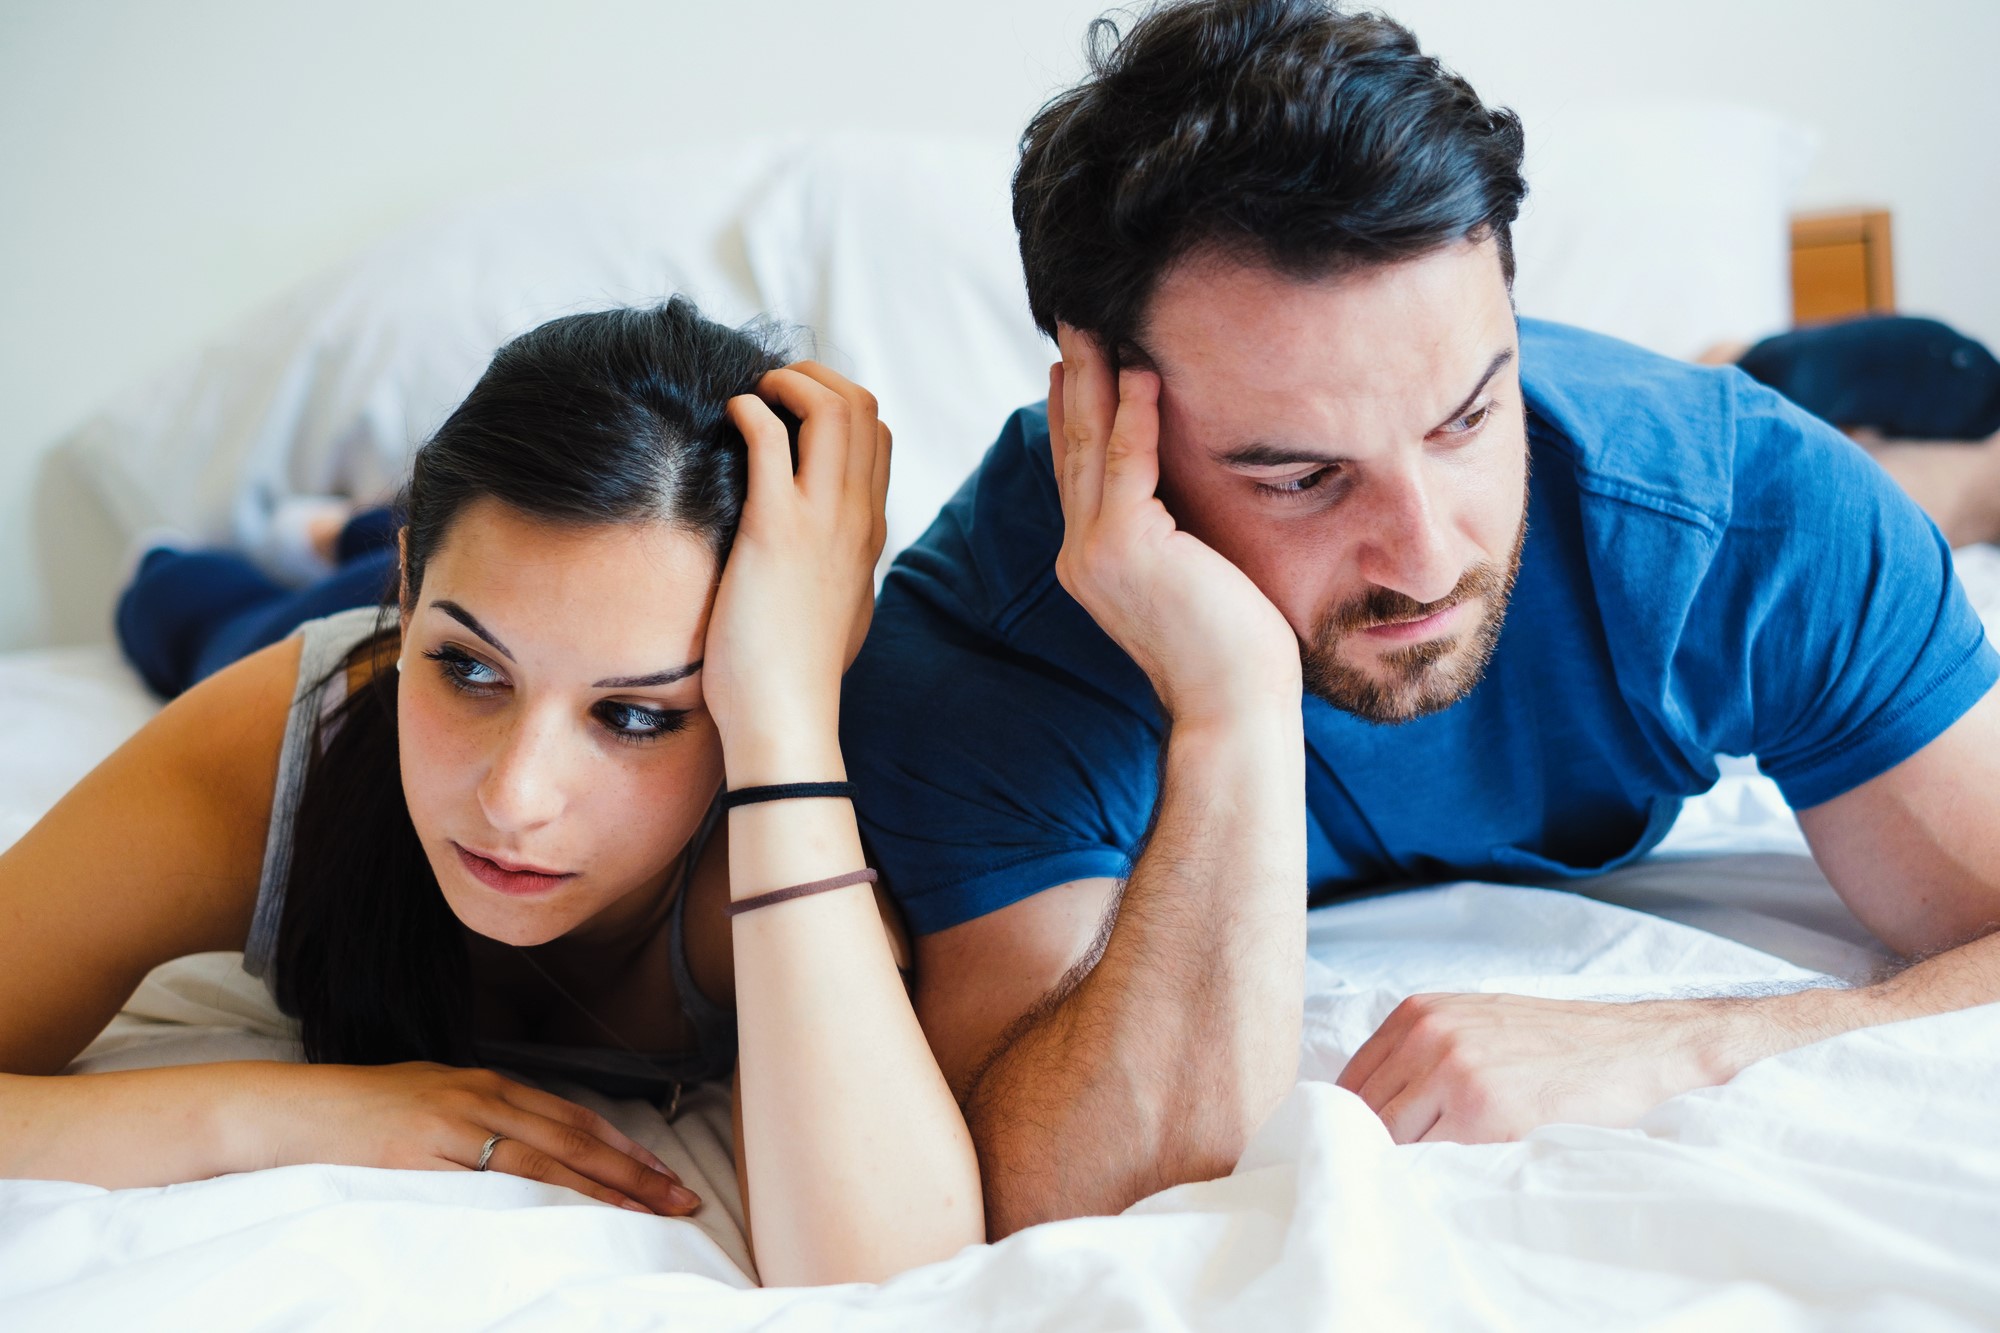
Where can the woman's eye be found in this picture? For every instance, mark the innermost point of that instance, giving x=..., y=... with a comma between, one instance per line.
x=463, y=672
x=630, y=722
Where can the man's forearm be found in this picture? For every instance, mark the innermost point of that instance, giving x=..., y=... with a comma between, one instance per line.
x=1155, y=1065
x=1957, y=978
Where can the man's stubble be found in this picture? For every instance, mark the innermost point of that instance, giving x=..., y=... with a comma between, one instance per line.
x=1423, y=678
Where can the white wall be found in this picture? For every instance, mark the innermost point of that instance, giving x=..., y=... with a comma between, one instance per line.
x=165, y=168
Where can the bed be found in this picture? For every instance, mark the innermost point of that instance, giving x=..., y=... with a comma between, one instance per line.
x=1853, y=1184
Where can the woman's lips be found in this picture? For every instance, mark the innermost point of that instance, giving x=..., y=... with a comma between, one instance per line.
x=508, y=879
x=1414, y=631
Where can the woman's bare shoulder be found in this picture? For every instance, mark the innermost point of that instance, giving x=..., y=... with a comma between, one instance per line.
x=155, y=854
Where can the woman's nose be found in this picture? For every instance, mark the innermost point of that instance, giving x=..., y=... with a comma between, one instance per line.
x=524, y=784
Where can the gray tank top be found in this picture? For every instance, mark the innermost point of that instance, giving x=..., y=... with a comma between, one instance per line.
x=617, y=1073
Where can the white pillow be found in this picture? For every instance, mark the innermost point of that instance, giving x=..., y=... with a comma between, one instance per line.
x=1665, y=224
x=327, y=390
x=1661, y=224
x=901, y=253
x=897, y=251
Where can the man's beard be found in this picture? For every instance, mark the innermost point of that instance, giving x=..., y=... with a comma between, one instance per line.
x=1423, y=678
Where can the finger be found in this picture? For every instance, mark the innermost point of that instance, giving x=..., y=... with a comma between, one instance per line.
x=879, y=485
x=582, y=1152
x=552, y=1107
x=1090, y=404
x=1132, y=454
x=1412, y=1114
x=770, y=448
x=1058, y=446
x=515, y=1158
x=867, y=413
x=1373, y=1052
x=826, y=419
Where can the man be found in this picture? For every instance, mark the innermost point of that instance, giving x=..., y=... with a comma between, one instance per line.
x=1287, y=457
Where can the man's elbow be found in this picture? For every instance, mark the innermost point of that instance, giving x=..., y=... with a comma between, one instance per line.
x=1027, y=1184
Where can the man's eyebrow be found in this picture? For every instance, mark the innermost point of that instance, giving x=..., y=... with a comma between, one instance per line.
x=1263, y=454
x=471, y=622
x=667, y=677
x=1493, y=367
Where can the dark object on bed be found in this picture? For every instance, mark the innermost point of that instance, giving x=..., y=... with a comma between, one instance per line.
x=1910, y=379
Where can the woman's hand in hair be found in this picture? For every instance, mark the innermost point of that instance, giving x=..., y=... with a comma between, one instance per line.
x=798, y=588
x=430, y=1117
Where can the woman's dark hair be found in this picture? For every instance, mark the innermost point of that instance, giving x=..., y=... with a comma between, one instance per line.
x=1279, y=131
x=611, y=417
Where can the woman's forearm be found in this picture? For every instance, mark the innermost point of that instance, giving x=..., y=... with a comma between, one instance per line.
x=858, y=1160
x=131, y=1128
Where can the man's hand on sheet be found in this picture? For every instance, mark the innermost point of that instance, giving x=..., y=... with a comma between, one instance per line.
x=1489, y=1068
x=1209, y=640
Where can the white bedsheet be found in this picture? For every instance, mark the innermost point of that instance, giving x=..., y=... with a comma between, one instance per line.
x=1850, y=1185
x=1854, y=1184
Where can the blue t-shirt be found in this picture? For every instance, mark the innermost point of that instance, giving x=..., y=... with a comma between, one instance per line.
x=1708, y=570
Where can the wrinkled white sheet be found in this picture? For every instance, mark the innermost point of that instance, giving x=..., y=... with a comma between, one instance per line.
x=1850, y=1185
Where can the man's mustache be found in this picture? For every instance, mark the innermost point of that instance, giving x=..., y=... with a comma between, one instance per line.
x=1385, y=606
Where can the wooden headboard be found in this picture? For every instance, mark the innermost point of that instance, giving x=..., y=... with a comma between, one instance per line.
x=1841, y=265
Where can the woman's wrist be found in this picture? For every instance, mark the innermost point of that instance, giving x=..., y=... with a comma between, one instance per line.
x=240, y=1131
x=774, y=751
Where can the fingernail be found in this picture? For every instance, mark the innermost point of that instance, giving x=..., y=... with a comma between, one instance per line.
x=682, y=1197
x=629, y=1206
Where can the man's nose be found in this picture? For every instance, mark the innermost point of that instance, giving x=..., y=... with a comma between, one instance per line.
x=1408, y=548
x=523, y=787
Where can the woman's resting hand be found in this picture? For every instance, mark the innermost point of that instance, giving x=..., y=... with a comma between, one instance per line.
x=798, y=589
x=190, y=1122
x=430, y=1117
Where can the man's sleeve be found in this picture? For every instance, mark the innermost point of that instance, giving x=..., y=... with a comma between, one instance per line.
x=1860, y=645
x=986, y=775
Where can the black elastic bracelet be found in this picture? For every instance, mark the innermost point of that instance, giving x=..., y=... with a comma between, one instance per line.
x=786, y=791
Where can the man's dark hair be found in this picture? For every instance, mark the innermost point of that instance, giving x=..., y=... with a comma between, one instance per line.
x=1282, y=132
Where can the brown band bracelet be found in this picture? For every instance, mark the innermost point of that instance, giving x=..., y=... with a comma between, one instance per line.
x=799, y=891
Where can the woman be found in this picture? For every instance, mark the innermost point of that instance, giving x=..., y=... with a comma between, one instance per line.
x=480, y=832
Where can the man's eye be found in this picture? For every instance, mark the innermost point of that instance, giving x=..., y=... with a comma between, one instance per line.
x=1470, y=422
x=463, y=672
x=1299, y=485
x=630, y=722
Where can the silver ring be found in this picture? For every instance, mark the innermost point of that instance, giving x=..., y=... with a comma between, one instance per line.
x=486, y=1153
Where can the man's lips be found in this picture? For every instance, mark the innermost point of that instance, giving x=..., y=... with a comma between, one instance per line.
x=508, y=876
x=1414, y=631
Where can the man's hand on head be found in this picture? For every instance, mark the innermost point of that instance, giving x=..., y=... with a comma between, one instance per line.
x=1209, y=640
x=1489, y=1068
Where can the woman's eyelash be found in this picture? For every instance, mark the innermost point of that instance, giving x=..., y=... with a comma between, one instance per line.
x=457, y=669
x=662, y=721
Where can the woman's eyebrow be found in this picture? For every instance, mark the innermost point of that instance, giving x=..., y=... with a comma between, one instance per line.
x=667, y=677
x=471, y=622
